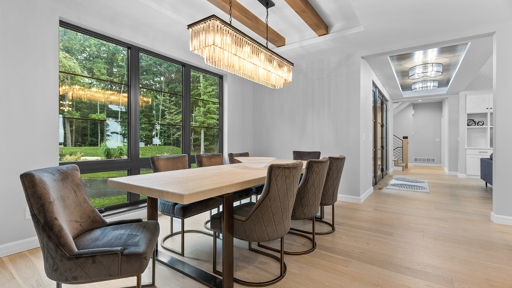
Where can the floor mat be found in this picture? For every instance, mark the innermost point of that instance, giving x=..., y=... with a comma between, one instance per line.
x=409, y=184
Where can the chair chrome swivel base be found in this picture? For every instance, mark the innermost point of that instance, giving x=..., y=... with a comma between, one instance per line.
x=139, y=277
x=312, y=239
x=180, y=252
x=283, y=268
x=319, y=219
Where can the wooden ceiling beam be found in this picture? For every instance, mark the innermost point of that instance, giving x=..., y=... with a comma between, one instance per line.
x=251, y=21
x=308, y=13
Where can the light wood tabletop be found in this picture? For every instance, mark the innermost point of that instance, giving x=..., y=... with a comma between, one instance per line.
x=192, y=185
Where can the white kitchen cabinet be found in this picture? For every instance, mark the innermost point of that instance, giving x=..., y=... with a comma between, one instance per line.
x=479, y=103
x=473, y=160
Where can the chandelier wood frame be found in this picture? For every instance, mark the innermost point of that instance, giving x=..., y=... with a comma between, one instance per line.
x=229, y=49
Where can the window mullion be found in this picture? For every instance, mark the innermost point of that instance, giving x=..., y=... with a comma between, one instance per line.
x=186, y=120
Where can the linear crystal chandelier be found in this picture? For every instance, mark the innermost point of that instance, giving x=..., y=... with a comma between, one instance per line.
x=425, y=85
x=227, y=48
x=426, y=70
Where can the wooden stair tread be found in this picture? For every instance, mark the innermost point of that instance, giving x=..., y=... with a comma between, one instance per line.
x=400, y=164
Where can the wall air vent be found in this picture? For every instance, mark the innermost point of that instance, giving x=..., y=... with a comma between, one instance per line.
x=424, y=159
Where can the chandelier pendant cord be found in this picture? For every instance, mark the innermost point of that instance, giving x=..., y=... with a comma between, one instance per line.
x=266, y=21
x=230, y=8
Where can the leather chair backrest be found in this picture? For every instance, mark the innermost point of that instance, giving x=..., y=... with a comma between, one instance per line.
x=310, y=189
x=270, y=218
x=306, y=155
x=332, y=180
x=206, y=160
x=169, y=163
x=232, y=156
x=59, y=206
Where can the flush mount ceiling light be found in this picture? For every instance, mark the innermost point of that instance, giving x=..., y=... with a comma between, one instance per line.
x=227, y=48
x=427, y=70
x=425, y=85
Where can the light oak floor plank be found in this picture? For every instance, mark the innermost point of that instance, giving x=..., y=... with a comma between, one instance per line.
x=444, y=238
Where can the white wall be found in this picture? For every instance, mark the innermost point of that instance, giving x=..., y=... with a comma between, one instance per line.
x=328, y=108
x=444, y=132
x=453, y=133
x=29, y=67
x=427, y=130
x=502, y=137
x=422, y=123
x=403, y=123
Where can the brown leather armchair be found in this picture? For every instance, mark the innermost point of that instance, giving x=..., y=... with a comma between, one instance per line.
x=78, y=244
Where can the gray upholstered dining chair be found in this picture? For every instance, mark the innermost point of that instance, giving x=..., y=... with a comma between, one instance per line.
x=257, y=190
x=208, y=160
x=266, y=220
x=308, y=199
x=232, y=157
x=329, y=193
x=306, y=155
x=78, y=244
x=176, y=210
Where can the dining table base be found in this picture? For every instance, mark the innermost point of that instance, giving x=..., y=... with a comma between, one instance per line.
x=201, y=276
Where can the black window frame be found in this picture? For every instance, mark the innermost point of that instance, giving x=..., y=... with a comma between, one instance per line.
x=134, y=163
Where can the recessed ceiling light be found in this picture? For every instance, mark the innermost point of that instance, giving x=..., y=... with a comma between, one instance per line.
x=420, y=100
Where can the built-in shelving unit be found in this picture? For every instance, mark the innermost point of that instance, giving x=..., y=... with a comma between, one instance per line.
x=479, y=107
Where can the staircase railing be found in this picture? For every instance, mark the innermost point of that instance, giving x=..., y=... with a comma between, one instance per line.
x=398, y=149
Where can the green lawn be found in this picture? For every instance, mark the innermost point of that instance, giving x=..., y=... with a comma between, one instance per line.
x=146, y=151
x=108, y=201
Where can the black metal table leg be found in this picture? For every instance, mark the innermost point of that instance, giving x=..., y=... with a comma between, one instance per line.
x=193, y=272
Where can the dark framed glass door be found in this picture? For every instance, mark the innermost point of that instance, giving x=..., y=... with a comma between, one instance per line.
x=380, y=131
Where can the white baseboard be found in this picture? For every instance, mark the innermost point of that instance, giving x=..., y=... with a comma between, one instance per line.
x=31, y=243
x=18, y=246
x=425, y=164
x=499, y=219
x=473, y=176
x=355, y=199
x=449, y=172
x=461, y=175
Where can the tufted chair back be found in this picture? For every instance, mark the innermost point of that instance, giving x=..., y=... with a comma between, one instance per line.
x=271, y=216
x=206, y=160
x=306, y=155
x=169, y=163
x=232, y=156
x=59, y=206
x=332, y=180
x=310, y=189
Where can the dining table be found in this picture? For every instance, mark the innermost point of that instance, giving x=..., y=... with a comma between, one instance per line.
x=192, y=185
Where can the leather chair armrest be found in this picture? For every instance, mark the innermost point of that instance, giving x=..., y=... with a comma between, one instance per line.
x=97, y=252
x=119, y=222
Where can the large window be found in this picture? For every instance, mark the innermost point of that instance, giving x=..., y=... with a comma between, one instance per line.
x=120, y=104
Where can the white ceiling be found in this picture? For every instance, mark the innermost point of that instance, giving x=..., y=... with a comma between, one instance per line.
x=450, y=56
x=366, y=28
x=477, y=54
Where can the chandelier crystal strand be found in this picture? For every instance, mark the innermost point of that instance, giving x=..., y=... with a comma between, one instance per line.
x=223, y=46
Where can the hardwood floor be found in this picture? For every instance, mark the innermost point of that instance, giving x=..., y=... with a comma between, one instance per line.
x=394, y=239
